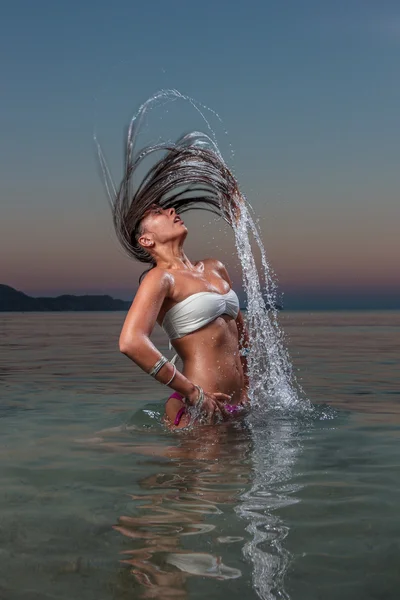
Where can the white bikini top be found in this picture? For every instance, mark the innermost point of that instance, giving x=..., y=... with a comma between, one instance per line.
x=198, y=310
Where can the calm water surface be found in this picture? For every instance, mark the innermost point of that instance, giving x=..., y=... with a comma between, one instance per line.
x=98, y=501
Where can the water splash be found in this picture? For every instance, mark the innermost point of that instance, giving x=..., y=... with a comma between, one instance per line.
x=271, y=372
x=273, y=384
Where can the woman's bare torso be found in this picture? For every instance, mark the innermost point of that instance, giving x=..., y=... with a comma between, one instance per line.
x=210, y=355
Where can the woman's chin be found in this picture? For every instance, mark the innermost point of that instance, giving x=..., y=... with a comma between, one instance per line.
x=179, y=234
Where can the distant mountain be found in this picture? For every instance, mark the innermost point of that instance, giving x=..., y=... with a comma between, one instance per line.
x=12, y=300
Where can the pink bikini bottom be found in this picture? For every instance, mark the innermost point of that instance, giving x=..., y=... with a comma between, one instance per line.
x=231, y=408
x=182, y=410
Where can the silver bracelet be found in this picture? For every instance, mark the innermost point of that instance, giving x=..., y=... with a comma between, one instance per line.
x=200, y=400
x=173, y=375
x=159, y=365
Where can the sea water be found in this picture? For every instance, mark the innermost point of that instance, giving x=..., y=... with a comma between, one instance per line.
x=98, y=500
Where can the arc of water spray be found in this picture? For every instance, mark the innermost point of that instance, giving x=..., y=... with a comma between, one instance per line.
x=271, y=372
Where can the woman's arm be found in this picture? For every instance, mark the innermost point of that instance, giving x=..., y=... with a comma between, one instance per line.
x=135, y=341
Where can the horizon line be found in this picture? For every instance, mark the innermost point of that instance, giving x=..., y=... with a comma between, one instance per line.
x=296, y=300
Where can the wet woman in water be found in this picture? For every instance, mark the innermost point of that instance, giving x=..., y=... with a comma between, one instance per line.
x=193, y=301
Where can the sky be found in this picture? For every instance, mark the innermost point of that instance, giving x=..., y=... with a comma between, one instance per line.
x=309, y=96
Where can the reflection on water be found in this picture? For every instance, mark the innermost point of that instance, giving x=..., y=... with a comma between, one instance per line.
x=175, y=529
x=220, y=486
x=276, y=447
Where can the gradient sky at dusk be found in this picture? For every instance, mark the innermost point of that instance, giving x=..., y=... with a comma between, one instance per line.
x=308, y=91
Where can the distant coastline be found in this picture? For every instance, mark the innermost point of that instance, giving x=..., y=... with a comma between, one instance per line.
x=12, y=300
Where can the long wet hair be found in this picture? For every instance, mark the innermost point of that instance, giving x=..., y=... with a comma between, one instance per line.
x=190, y=174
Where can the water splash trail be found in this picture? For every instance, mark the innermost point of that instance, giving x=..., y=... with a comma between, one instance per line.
x=271, y=372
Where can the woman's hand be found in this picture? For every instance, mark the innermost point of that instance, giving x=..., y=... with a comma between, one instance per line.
x=210, y=405
x=214, y=404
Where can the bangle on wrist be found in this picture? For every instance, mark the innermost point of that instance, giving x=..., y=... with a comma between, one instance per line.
x=200, y=400
x=173, y=375
x=159, y=365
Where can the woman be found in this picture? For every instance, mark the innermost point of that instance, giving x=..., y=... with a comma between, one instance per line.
x=193, y=302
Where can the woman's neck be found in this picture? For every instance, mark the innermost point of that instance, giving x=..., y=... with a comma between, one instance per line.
x=173, y=257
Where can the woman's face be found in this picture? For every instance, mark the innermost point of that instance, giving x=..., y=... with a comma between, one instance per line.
x=161, y=225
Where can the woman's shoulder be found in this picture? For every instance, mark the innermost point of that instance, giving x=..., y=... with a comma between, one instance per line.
x=157, y=278
x=212, y=263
